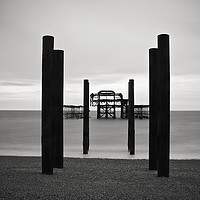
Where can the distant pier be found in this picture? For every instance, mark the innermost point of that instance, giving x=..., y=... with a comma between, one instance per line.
x=72, y=112
x=107, y=102
x=141, y=111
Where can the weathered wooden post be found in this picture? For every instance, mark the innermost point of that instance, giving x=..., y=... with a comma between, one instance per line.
x=47, y=105
x=131, y=118
x=153, y=108
x=164, y=105
x=57, y=81
x=86, y=118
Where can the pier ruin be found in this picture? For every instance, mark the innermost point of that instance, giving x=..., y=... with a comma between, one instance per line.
x=108, y=101
x=72, y=112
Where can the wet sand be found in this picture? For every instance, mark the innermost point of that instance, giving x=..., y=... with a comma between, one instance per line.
x=92, y=178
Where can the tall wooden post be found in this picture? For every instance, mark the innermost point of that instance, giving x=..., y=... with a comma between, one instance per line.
x=164, y=105
x=47, y=105
x=153, y=108
x=86, y=118
x=131, y=119
x=57, y=81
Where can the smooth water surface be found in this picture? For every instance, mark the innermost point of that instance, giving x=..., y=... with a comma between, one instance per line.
x=20, y=134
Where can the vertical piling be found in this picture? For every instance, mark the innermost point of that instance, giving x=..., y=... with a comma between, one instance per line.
x=98, y=109
x=47, y=104
x=57, y=82
x=131, y=118
x=164, y=105
x=86, y=118
x=153, y=108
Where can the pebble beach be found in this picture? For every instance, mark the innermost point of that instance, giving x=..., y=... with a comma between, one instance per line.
x=93, y=178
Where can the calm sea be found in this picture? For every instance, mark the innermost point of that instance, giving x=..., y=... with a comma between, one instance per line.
x=20, y=134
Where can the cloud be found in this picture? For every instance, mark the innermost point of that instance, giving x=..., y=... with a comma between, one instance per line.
x=116, y=82
x=16, y=83
x=185, y=92
x=21, y=94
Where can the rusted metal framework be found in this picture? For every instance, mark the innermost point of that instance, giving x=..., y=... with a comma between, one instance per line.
x=72, y=112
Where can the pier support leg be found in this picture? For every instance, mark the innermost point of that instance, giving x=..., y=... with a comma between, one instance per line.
x=47, y=105
x=153, y=109
x=86, y=118
x=98, y=110
x=114, y=110
x=131, y=119
x=57, y=81
x=164, y=105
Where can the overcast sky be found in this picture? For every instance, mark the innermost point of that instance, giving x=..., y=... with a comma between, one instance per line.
x=105, y=41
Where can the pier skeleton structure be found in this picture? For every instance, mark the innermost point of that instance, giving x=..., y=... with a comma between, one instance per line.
x=107, y=102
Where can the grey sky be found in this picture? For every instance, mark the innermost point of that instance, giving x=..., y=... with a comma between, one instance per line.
x=106, y=41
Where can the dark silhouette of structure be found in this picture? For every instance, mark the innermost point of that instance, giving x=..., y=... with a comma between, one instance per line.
x=164, y=105
x=159, y=95
x=131, y=118
x=153, y=109
x=52, y=106
x=86, y=117
x=108, y=101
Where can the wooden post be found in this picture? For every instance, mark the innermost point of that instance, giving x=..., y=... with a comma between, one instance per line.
x=47, y=104
x=86, y=118
x=131, y=119
x=153, y=108
x=57, y=81
x=164, y=105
